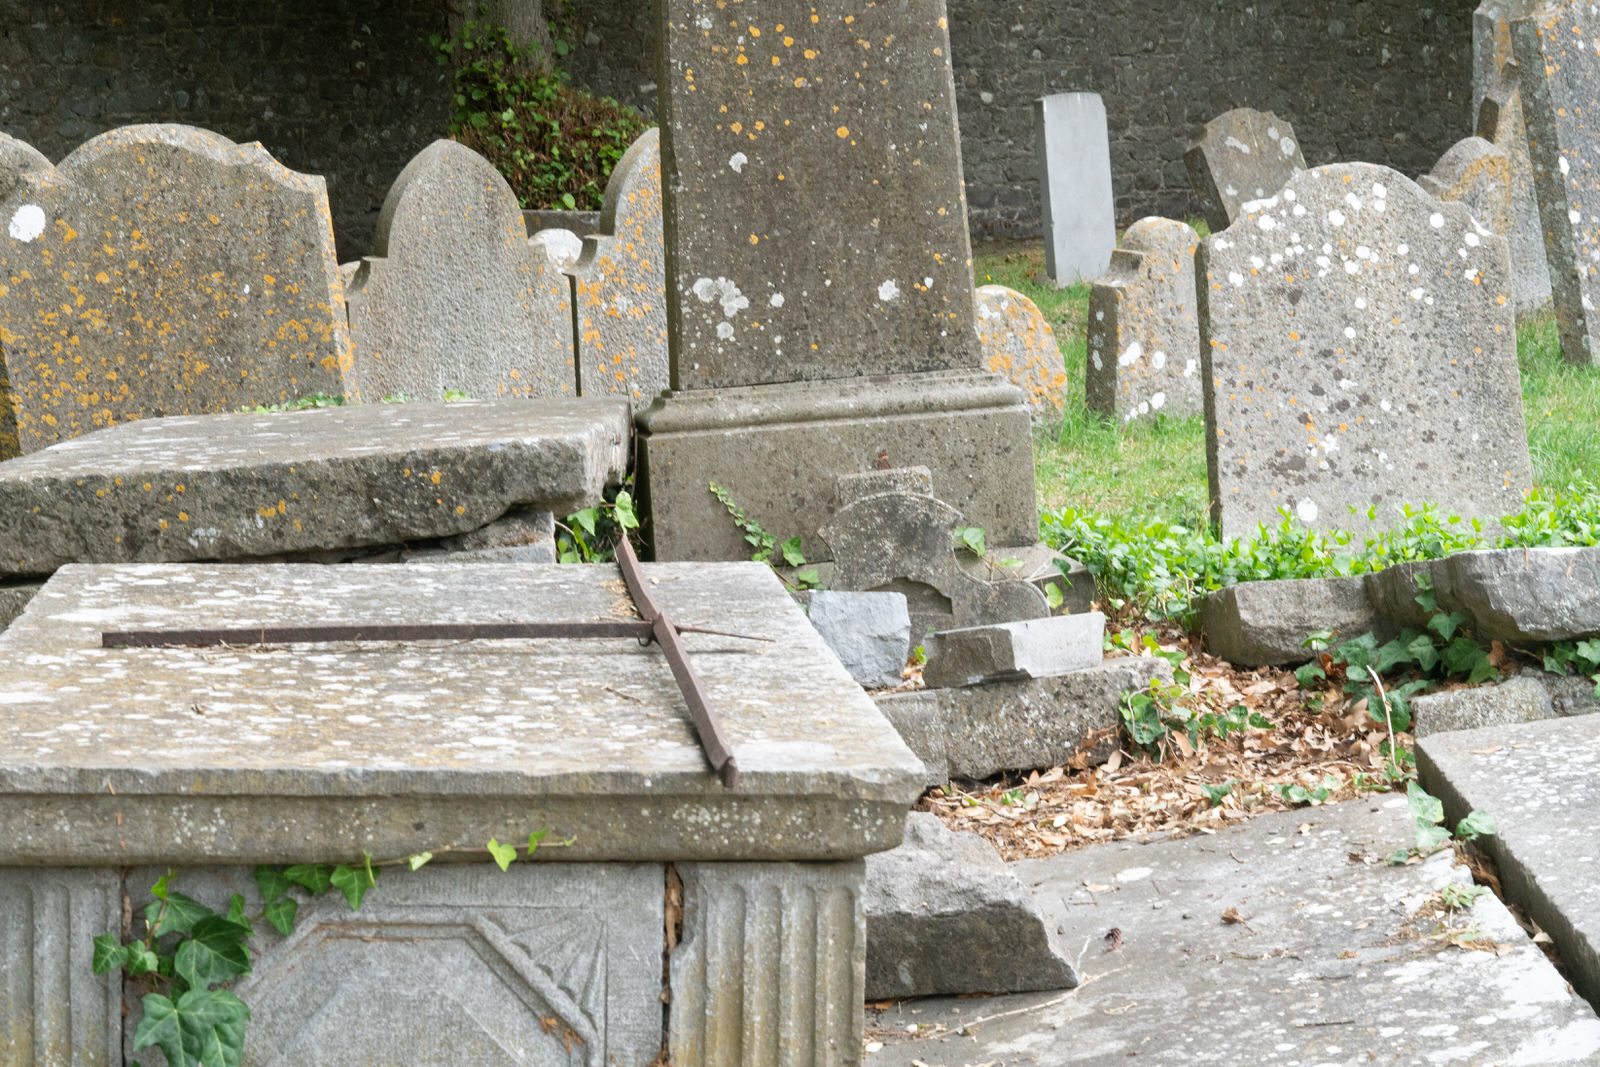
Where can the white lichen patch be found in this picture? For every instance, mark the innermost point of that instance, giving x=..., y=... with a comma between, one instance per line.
x=27, y=223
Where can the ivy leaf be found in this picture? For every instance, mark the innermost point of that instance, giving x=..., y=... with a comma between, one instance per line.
x=1424, y=807
x=791, y=552
x=1430, y=837
x=280, y=913
x=627, y=518
x=534, y=839
x=1589, y=651
x=1392, y=655
x=271, y=882
x=1053, y=596
x=141, y=960
x=236, y=911
x=585, y=519
x=1446, y=625
x=972, y=539
x=159, y=890
x=1423, y=653
x=108, y=955
x=314, y=877
x=354, y=882
x=181, y=915
x=419, y=859
x=1477, y=824
x=205, y=1028
x=503, y=854
x=214, y=953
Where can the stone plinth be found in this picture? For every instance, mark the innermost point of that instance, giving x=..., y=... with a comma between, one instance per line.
x=248, y=485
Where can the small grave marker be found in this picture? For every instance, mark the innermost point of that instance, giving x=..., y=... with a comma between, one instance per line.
x=1144, y=342
x=1075, y=177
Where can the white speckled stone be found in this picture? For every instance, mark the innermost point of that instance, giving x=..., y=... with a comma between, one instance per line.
x=1241, y=156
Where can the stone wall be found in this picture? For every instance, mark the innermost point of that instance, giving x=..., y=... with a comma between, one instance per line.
x=344, y=88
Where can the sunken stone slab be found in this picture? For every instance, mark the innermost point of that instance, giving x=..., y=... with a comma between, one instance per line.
x=248, y=485
x=1019, y=343
x=1511, y=701
x=452, y=297
x=1560, y=70
x=945, y=915
x=201, y=277
x=1080, y=224
x=1260, y=624
x=312, y=753
x=1546, y=844
x=1357, y=341
x=1032, y=648
x=1144, y=343
x=1241, y=156
x=449, y=966
x=1321, y=972
x=1500, y=122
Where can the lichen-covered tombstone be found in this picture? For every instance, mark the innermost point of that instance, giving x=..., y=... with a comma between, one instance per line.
x=1019, y=343
x=1500, y=123
x=1240, y=156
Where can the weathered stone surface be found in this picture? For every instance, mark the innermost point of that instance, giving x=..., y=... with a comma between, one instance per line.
x=1322, y=971
x=1241, y=156
x=1538, y=781
x=244, y=485
x=1042, y=567
x=1478, y=174
x=452, y=297
x=869, y=632
x=1144, y=341
x=579, y=223
x=54, y=1010
x=620, y=285
x=770, y=968
x=312, y=752
x=945, y=915
x=1018, y=343
x=451, y=964
x=1034, y=648
x=843, y=164
x=561, y=247
x=1512, y=701
x=904, y=542
x=1559, y=70
x=1569, y=694
x=18, y=158
x=1500, y=122
x=1357, y=340
x=14, y=597
x=200, y=275
x=1258, y=624
x=527, y=535
x=917, y=718
x=1491, y=42
x=1510, y=594
x=1080, y=225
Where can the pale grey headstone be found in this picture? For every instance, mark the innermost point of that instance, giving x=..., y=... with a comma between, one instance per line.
x=453, y=298
x=1500, y=122
x=201, y=274
x=1559, y=69
x=1241, y=156
x=1144, y=340
x=1074, y=145
x=1359, y=353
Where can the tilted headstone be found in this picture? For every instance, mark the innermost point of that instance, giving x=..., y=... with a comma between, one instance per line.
x=165, y=270
x=1359, y=351
x=1241, y=156
x=1080, y=227
x=1559, y=68
x=821, y=313
x=453, y=298
x=1491, y=42
x=1477, y=174
x=620, y=284
x=1144, y=342
x=1019, y=343
x=1500, y=123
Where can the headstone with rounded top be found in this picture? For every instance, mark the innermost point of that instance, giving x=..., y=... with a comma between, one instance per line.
x=1144, y=343
x=1019, y=343
x=1500, y=123
x=1477, y=174
x=453, y=298
x=1241, y=156
x=165, y=270
x=1359, y=355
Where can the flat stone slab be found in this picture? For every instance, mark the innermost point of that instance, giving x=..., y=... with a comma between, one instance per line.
x=248, y=485
x=1032, y=648
x=1321, y=970
x=1538, y=780
x=312, y=753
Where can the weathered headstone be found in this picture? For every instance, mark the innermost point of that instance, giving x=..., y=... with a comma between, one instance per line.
x=453, y=298
x=1491, y=42
x=165, y=270
x=1019, y=343
x=1080, y=227
x=1477, y=174
x=1559, y=68
x=1241, y=156
x=820, y=296
x=1359, y=352
x=1144, y=342
x=1500, y=122
x=620, y=285
x=18, y=158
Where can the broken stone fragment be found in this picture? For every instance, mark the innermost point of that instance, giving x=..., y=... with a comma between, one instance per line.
x=869, y=632
x=1033, y=648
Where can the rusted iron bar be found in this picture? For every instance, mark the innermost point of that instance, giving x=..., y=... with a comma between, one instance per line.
x=466, y=631
x=706, y=726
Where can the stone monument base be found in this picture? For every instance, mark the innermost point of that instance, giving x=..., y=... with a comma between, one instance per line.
x=778, y=450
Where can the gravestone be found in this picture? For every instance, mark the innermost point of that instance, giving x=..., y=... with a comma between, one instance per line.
x=1019, y=343
x=821, y=313
x=1560, y=71
x=1500, y=122
x=1241, y=156
x=18, y=158
x=1080, y=227
x=165, y=270
x=1491, y=42
x=620, y=285
x=453, y=298
x=1477, y=174
x=1359, y=351
x=1144, y=342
